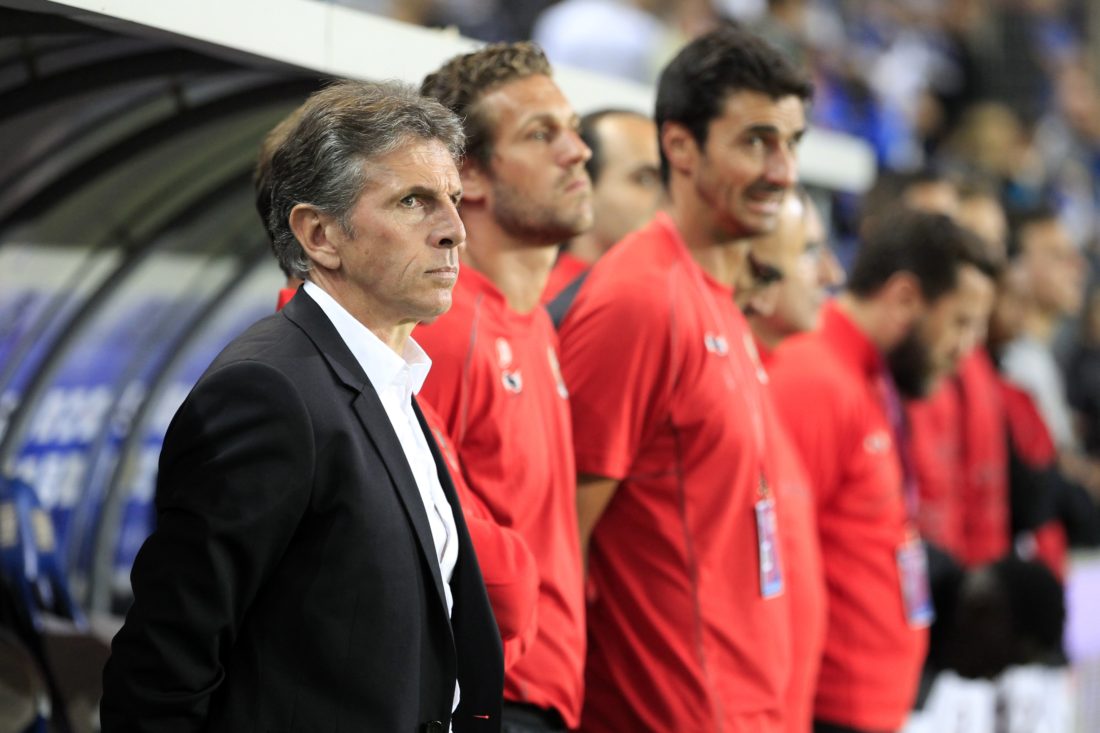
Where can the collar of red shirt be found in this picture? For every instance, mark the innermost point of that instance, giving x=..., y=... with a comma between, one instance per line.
x=850, y=341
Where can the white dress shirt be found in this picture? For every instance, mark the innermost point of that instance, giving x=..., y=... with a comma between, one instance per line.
x=396, y=379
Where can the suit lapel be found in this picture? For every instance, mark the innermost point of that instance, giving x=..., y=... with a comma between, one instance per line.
x=305, y=312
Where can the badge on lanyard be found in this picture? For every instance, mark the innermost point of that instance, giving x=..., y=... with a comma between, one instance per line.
x=767, y=540
x=916, y=595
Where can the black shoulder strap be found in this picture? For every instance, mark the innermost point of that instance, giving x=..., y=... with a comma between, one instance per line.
x=563, y=301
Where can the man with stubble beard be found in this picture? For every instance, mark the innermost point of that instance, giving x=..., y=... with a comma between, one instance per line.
x=907, y=316
x=688, y=615
x=495, y=380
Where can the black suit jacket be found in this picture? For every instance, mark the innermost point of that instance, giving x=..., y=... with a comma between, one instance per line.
x=291, y=583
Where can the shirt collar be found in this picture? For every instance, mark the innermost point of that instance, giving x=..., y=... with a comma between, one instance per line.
x=382, y=365
x=852, y=343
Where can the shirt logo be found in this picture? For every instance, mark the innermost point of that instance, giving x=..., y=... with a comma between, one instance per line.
x=504, y=353
x=877, y=442
x=555, y=369
x=512, y=381
x=716, y=343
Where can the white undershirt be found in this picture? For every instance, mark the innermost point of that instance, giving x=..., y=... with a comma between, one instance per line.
x=396, y=379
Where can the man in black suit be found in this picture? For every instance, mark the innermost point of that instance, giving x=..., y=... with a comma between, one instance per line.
x=311, y=570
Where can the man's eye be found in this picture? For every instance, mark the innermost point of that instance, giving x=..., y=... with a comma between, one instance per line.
x=410, y=201
x=648, y=178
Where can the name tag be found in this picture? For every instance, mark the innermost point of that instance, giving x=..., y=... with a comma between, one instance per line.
x=916, y=596
x=767, y=540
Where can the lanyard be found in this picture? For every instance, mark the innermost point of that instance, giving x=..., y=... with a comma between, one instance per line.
x=895, y=415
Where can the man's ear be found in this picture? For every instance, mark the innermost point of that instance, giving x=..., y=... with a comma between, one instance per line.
x=680, y=147
x=315, y=231
x=904, y=301
x=475, y=181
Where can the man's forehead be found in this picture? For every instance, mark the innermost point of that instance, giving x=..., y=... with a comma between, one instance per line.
x=523, y=98
x=749, y=107
x=414, y=160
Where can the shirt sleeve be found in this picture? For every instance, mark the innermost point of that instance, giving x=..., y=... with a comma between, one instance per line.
x=615, y=345
x=234, y=482
x=507, y=565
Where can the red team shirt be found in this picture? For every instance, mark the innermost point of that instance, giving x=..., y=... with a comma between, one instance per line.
x=958, y=445
x=825, y=387
x=986, y=522
x=495, y=383
x=936, y=445
x=805, y=576
x=1035, y=448
x=508, y=568
x=680, y=637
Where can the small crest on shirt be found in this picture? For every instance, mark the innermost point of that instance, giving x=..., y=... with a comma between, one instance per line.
x=555, y=369
x=512, y=379
x=504, y=353
x=716, y=343
x=877, y=442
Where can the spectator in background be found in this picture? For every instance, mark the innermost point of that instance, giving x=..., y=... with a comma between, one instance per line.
x=798, y=252
x=688, y=618
x=1084, y=374
x=310, y=562
x=1043, y=251
x=616, y=37
x=903, y=323
x=626, y=190
x=496, y=381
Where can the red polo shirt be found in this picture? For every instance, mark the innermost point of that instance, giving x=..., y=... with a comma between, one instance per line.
x=495, y=383
x=664, y=396
x=567, y=268
x=824, y=383
x=1035, y=446
x=986, y=523
x=508, y=568
x=935, y=443
x=285, y=294
x=805, y=575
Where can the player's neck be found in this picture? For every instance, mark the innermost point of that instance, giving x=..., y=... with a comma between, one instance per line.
x=586, y=247
x=720, y=255
x=867, y=317
x=765, y=333
x=519, y=270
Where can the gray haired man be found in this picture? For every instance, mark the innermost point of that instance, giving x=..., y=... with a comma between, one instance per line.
x=311, y=569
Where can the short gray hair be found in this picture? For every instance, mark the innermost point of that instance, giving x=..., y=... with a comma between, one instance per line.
x=320, y=159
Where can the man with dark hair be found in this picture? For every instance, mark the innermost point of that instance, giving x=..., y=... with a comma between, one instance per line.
x=311, y=568
x=626, y=190
x=911, y=309
x=688, y=621
x=496, y=382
